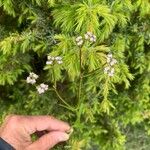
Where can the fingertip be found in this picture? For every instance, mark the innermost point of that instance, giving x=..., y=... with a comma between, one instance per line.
x=62, y=137
x=67, y=127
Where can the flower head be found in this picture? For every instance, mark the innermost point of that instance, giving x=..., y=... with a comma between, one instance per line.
x=90, y=36
x=79, y=40
x=109, y=55
x=110, y=60
x=51, y=60
x=106, y=69
x=113, y=62
x=32, y=78
x=111, y=72
x=110, y=63
x=42, y=88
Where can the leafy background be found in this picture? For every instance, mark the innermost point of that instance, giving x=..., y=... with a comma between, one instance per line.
x=110, y=113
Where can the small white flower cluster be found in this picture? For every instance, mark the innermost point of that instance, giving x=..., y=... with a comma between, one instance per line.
x=42, y=88
x=111, y=62
x=51, y=60
x=79, y=40
x=32, y=78
x=90, y=36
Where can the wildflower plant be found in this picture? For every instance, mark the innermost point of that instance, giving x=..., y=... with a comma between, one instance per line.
x=91, y=60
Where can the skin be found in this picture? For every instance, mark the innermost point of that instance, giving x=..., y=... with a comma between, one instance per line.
x=16, y=130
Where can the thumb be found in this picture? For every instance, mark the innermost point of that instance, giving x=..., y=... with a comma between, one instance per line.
x=49, y=140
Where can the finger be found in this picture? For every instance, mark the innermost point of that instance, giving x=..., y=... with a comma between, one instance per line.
x=40, y=123
x=49, y=140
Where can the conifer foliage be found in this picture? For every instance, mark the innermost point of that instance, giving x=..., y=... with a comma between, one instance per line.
x=86, y=62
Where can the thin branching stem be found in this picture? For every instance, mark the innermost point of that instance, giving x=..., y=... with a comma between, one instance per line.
x=80, y=78
x=79, y=89
x=59, y=96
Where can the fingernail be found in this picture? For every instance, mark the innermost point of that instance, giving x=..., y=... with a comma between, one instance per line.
x=63, y=137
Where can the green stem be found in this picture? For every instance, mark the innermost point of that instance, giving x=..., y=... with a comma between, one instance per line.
x=67, y=105
x=55, y=84
x=79, y=112
x=72, y=109
x=79, y=105
x=80, y=79
x=59, y=96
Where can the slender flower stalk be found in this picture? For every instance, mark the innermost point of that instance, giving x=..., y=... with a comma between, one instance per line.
x=79, y=105
x=66, y=105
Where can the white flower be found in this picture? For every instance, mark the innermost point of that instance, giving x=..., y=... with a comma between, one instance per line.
x=89, y=33
x=50, y=57
x=112, y=70
x=51, y=60
x=32, y=78
x=109, y=55
x=111, y=74
x=90, y=36
x=58, y=58
x=60, y=62
x=106, y=69
x=93, y=38
x=79, y=38
x=80, y=43
x=108, y=59
x=33, y=75
x=109, y=71
x=86, y=36
x=113, y=62
x=42, y=88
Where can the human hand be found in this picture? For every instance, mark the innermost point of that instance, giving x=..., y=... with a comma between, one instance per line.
x=16, y=130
